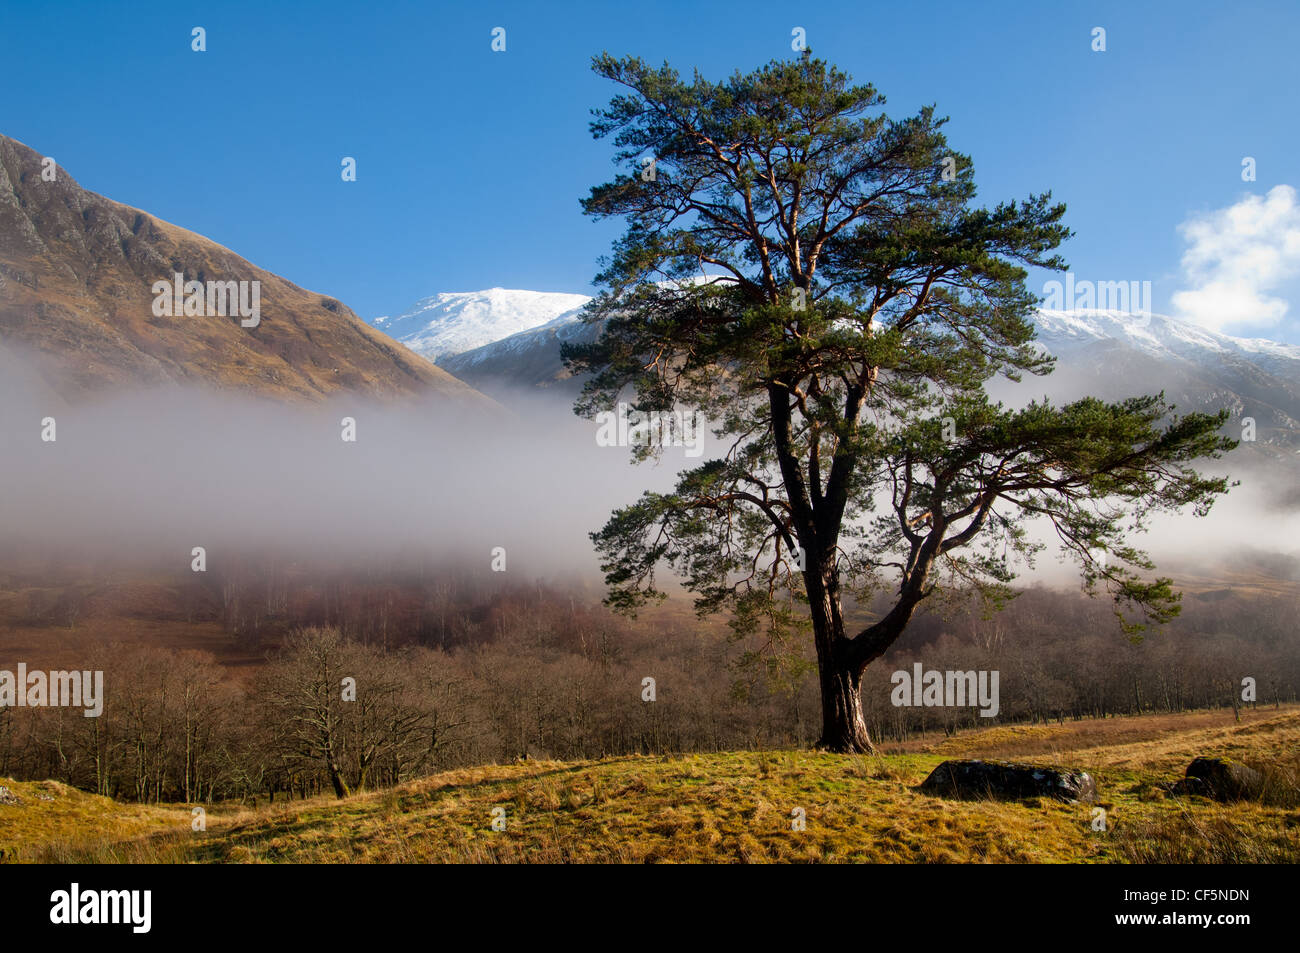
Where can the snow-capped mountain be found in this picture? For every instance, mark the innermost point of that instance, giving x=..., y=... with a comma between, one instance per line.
x=1159, y=336
x=528, y=359
x=502, y=342
x=445, y=325
x=1080, y=339
x=1113, y=355
x=1108, y=354
x=454, y=322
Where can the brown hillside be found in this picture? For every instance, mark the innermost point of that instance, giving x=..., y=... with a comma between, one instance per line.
x=76, y=276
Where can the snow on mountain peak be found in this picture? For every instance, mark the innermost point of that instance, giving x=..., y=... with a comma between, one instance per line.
x=1155, y=334
x=452, y=322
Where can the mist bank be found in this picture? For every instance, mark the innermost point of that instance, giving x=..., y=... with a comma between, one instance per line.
x=146, y=477
x=162, y=471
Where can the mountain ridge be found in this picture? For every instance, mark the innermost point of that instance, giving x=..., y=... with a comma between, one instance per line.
x=530, y=357
x=76, y=273
x=461, y=329
x=452, y=322
x=1108, y=354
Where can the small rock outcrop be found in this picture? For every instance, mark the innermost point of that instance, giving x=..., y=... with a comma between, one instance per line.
x=1221, y=779
x=1006, y=781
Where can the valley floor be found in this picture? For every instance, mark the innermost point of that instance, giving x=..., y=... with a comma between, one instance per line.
x=731, y=807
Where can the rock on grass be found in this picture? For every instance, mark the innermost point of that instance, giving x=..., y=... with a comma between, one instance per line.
x=1221, y=779
x=1007, y=781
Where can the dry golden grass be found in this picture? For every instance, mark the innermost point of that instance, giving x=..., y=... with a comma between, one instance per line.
x=735, y=807
x=53, y=817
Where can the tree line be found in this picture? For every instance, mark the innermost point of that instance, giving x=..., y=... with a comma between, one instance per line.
x=537, y=674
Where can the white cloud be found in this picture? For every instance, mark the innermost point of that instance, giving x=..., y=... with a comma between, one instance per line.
x=1237, y=257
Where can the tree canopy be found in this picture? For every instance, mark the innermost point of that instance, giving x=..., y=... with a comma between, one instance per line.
x=816, y=278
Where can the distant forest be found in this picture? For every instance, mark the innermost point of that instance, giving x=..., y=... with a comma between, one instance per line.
x=452, y=670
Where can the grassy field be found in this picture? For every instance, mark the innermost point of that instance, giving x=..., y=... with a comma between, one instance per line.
x=732, y=807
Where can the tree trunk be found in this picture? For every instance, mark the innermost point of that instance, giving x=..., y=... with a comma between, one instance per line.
x=843, y=729
x=336, y=779
x=332, y=765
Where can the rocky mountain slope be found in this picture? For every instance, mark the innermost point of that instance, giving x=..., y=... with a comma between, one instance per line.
x=77, y=306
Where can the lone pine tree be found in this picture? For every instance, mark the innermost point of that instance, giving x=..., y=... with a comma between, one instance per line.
x=815, y=277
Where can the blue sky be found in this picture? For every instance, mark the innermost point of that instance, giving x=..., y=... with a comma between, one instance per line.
x=471, y=163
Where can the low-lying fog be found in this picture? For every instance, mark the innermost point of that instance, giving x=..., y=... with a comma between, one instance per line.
x=162, y=472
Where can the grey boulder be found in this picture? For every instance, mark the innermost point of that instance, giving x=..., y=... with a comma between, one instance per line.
x=1008, y=781
x=1221, y=779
